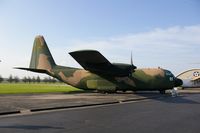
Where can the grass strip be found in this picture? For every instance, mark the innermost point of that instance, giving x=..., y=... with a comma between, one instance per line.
x=20, y=88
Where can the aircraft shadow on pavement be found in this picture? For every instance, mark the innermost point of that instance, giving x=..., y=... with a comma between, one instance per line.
x=30, y=127
x=177, y=100
x=167, y=98
x=79, y=92
x=154, y=95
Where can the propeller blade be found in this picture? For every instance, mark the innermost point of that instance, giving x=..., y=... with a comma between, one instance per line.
x=131, y=59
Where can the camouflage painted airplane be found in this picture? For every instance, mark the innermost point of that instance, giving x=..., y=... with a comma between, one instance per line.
x=98, y=73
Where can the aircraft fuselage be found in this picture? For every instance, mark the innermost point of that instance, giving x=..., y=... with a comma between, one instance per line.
x=98, y=72
x=140, y=79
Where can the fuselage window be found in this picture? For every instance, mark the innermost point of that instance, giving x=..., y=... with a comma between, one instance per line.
x=171, y=78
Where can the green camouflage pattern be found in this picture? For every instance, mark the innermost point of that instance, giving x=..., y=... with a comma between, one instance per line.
x=139, y=79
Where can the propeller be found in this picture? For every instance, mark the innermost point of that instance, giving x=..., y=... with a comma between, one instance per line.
x=131, y=59
x=132, y=66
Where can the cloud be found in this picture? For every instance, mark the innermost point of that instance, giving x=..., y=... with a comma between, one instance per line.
x=173, y=37
x=175, y=48
x=160, y=47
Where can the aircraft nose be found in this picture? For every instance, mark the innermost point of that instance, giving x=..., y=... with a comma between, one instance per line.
x=178, y=82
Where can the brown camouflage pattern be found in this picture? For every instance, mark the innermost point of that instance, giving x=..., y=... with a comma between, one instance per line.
x=139, y=79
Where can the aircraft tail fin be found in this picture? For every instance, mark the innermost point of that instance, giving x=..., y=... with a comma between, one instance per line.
x=41, y=57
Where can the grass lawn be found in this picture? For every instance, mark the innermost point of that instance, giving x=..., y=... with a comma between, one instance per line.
x=21, y=88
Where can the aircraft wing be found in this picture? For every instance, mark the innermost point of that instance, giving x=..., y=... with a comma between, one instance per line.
x=90, y=58
x=95, y=62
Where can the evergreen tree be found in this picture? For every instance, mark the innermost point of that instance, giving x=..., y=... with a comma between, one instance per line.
x=1, y=79
x=29, y=80
x=25, y=79
x=16, y=79
x=10, y=79
x=33, y=80
x=38, y=79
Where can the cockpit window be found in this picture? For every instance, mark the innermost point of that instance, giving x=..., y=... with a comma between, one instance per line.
x=171, y=78
x=168, y=73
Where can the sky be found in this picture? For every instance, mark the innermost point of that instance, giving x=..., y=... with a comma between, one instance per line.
x=159, y=33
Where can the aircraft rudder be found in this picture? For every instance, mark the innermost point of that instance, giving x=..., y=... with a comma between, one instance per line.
x=41, y=57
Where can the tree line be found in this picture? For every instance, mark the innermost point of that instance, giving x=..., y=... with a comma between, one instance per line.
x=16, y=79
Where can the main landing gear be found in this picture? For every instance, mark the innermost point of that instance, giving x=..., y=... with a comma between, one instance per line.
x=162, y=91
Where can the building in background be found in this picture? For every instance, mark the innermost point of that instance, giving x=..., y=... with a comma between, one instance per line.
x=191, y=78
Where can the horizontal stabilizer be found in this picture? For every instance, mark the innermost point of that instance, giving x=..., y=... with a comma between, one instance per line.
x=32, y=69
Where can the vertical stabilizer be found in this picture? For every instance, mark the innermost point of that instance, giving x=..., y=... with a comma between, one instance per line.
x=41, y=57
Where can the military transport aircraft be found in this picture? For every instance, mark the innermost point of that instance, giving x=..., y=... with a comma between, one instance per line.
x=98, y=73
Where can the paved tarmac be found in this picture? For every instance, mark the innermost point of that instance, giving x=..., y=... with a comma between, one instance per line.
x=20, y=103
x=161, y=115
x=35, y=102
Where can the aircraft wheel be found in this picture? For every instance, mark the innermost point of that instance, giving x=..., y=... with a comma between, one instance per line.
x=124, y=90
x=102, y=92
x=134, y=91
x=162, y=92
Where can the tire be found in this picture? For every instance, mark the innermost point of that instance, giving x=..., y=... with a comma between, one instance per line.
x=124, y=90
x=162, y=92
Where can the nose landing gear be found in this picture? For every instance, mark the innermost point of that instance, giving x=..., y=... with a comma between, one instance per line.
x=174, y=92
